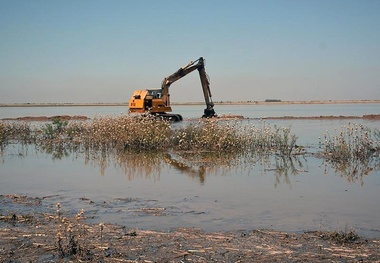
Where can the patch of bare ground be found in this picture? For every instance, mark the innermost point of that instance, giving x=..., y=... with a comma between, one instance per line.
x=52, y=237
x=372, y=116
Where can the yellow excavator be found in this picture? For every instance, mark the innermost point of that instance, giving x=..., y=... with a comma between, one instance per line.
x=157, y=101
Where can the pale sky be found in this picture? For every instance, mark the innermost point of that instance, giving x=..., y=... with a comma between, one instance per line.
x=101, y=51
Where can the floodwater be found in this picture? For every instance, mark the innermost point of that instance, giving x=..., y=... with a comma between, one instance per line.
x=153, y=192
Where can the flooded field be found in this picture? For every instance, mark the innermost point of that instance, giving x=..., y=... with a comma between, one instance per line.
x=219, y=192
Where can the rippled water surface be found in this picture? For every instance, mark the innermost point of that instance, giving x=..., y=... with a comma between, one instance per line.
x=164, y=191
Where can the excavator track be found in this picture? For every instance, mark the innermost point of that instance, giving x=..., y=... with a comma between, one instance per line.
x=170, y=116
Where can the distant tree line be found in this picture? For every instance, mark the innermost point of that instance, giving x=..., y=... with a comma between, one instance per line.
x=272, y=100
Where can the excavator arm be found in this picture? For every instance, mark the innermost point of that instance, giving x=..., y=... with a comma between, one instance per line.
x=209, y=111
x=190, y=67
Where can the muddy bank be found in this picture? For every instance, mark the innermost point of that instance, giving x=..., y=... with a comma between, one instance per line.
x=56, y=237
x=51, y=118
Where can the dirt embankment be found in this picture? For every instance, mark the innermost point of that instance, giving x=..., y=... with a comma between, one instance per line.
x=331, y=117
x=51, y=118
x=53, y=237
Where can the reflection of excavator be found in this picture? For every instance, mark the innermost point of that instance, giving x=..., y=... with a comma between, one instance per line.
x=157, y=101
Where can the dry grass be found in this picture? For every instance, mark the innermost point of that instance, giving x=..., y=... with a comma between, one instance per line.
x=149, y=133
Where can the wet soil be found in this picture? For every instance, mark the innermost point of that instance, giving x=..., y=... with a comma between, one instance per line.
x=38, y=236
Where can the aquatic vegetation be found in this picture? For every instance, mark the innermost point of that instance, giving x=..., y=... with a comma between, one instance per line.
x=272, y=139
x=353, y=151
x=16, y=131
x=3, y=132
x=210, y=135
x=353, y=142
x=124, y=132
x=234, y=136
x=149, y=133
x=52, y=130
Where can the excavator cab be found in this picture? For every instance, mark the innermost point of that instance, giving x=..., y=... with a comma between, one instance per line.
x=144, y=101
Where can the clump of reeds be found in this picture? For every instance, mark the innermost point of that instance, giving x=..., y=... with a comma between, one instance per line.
x=352, y=142
x=121, y=132
x=16, y=131
x=212, y=135
x=353, y=151
x=209, y=135
x=272, y=139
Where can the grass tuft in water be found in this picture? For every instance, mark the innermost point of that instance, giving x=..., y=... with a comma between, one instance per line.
x=352, y=142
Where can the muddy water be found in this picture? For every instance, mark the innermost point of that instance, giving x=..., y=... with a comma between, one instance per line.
x=154, y=192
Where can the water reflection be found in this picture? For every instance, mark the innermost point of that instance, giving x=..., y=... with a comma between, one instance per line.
x=184, y=167
x=285, y=166
x=354, y=171
x=56, y=150
x=199, y=165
